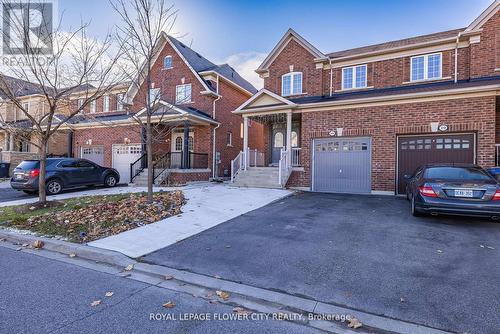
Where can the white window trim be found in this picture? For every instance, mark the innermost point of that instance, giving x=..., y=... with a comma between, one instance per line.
x=171, y=62
x=426, y=67
x=230, y=144
x=354, y=77
x=175, y=135
x=186, y=101
x=93, y=106
x=105, y=103
x=291, y=75
x=119, y=101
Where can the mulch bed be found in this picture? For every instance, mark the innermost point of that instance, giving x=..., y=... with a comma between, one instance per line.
x=92, y=220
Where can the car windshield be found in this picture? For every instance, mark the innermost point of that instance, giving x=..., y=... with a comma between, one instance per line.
x=29, y=164
x=456, y=173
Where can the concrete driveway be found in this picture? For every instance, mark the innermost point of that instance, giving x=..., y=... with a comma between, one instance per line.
x=363, y=252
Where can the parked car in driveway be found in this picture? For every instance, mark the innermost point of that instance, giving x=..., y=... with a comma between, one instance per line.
x=62, y=173
x=458, y=189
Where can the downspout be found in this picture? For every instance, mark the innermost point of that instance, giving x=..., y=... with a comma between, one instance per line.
x=456, y=56
x=331, y=76
x=214, y=174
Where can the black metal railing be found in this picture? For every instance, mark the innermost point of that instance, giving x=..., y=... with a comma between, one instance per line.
x=138, y=166
x=169, y=160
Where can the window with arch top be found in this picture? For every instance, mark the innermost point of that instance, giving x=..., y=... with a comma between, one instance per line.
x=291, y=84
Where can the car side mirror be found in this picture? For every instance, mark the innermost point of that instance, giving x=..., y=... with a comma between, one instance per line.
x=407, y=177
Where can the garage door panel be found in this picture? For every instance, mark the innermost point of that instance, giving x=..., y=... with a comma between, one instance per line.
x=342, y=165
x=123, y=156
x=415, y=151
x=93, y=153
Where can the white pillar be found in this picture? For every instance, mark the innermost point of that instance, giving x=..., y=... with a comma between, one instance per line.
x=289, y=137
x=245, y=140
x=11, y=142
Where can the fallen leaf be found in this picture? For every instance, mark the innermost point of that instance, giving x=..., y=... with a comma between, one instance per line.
x=25, y=245
x=32, y=208
x=109, y=293
x=222, y=294
x=402, y=300
x=211, y=301
x=439, y=251
x=168, y=277
x=482, y=246
x=489, y=247
x=2, y=239
x=19, y=248
x=95, y=303
x=38, y=244
x=217, y=276
x=129, y=267
x=169, y=304
x=72, y=254
x=354, y=323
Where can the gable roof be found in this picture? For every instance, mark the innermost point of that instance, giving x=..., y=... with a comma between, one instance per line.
x=198, y=64
x=401, y=43
x=20, y=87
x=264, y=98
x=484, y=17
x=289, y=35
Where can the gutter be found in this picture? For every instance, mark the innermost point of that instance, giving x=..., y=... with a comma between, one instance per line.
x=331, y=76
x=456, y=56
x=214, y=172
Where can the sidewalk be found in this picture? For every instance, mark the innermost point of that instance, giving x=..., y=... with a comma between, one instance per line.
x=207, y=205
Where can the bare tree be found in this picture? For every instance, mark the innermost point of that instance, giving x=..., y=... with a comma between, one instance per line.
x=67, y=69
x=143, y=24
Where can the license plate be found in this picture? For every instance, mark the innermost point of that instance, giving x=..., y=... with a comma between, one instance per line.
x=463, y=193
x=18, y=176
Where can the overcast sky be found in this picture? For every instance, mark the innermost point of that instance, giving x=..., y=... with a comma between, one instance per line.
x=242, y=32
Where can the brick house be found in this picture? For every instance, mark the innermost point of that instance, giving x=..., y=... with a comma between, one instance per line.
x=358, y=120
x=192, y=123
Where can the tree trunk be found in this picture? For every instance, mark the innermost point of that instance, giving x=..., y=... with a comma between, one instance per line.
x=149, y=150
x=42, y=196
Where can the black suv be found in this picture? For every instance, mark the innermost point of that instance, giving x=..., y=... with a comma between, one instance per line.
x=62, y=173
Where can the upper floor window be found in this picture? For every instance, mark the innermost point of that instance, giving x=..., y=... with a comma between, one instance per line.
x=93, y=106
x=291, y=83
x=26, y=107
x=183, y=93
x=229, y=139
x=354, y=77
x=167, y=62
x=154, y=95
x=105, y=103
x=426, y=67
x=80, y=104
x=119, y=101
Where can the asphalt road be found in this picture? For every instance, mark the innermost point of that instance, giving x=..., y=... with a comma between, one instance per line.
x=41, y=295
x=364, y=252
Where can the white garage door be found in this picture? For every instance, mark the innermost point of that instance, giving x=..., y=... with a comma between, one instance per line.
x=123, y=156
x=342, y=165
x=94, y=154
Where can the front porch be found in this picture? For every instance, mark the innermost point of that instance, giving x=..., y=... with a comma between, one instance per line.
x=181, y=149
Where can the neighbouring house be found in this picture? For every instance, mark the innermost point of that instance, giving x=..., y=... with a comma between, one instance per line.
x=358, y=120
x=195, y=133
x=17, y=140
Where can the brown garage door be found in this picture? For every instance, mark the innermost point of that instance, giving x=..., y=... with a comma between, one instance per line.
x=414, y=151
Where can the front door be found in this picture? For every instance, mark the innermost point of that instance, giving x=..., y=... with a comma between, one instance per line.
x=278, y=142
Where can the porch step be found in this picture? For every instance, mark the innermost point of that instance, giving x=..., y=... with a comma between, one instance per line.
x=259, y=177
x=141, y=180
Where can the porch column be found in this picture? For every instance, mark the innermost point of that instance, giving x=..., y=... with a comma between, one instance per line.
x=185, y=147
x=245, y=141
x=289, y=137
x=70, y=144
x=12, y=142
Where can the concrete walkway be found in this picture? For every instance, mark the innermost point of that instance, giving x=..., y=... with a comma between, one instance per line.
x=207, y=205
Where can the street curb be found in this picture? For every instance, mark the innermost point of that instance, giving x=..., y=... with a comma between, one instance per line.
x=65, y=247
x=257, y=296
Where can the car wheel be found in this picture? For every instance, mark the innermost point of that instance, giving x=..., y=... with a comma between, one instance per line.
x=54, y=187
x=414, y=210
x=110, y=181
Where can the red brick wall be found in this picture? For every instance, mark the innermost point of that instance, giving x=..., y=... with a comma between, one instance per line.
x=177, y=179
x=485, y=56
x=168, y=79
x=498, y=120
x=105, y=136
x=302, y=61
x=384, y=123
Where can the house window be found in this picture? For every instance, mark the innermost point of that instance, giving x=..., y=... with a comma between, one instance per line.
x=105, y=103
x=154, y=95
x=426, y=67
x=291, y=84
x=229, y=139
x=26, y=107
x=167, y=62
x=183, y=94
x=24, y=146
x=93, y=106
x=354, y=77
x=119, y=101
x=178, y=144
x=295, y=139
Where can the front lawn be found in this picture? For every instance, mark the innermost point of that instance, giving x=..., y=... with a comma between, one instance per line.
x=94, y=217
